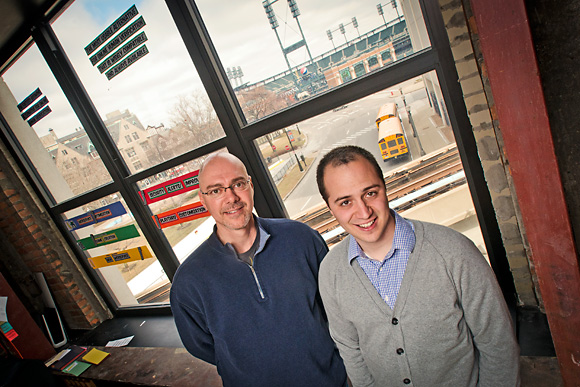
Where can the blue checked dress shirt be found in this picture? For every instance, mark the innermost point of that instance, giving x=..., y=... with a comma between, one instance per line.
x=387, y=275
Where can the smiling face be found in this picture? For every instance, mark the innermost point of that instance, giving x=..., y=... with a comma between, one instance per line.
x=232, y=211
x=357, y=198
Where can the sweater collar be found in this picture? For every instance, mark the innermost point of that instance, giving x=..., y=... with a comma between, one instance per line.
x=215, y=242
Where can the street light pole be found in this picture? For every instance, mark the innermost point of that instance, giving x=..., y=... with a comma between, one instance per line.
x=293, y=151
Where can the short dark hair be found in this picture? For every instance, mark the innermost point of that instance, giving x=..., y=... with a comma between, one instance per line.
x=341, y=156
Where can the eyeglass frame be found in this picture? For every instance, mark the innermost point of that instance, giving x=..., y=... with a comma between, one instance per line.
x=231, y=187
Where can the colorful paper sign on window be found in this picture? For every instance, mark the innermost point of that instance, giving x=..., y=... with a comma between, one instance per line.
x=173, y=187
x=180, y=215
x=96, y=216
x=134, y=254
x=109, y=237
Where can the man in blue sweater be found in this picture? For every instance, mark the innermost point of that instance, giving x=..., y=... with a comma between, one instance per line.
x=408, y=302
x=247, y=299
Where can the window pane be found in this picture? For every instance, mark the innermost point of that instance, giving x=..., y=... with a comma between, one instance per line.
x=143, y=82
x=423, y=171
x=117, y=250
x=56, y=143
x=276, y=55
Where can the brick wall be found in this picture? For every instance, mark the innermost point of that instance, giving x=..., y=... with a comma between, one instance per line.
x=471, y=70
x=31, y=237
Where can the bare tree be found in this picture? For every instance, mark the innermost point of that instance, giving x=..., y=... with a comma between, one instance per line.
x=195, y=114
x=259, y=102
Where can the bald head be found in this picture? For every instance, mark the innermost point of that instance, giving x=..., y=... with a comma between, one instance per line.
x=219, y=160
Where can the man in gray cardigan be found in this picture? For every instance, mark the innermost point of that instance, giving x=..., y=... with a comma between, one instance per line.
x=408, y=302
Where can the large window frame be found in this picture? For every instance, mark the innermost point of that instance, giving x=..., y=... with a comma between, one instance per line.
x=240, y=134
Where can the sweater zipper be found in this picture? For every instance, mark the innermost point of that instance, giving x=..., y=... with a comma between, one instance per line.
x=251, y=264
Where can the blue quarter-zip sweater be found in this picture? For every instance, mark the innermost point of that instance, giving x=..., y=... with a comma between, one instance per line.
x=261, y=325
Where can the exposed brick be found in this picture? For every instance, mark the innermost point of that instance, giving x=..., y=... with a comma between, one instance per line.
x=496, y=178
x=89, y=316
x=19, y=206
x=10, y=192
x=85, y=311
x=77, y=297
x=15, y=199
x=83, y=303
x=488, y=149
x=504, y=208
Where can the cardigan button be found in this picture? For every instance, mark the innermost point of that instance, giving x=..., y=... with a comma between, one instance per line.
x=407, y=381
x=395, y=321
x=400, y=351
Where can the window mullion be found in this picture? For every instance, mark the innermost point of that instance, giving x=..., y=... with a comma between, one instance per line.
x=96, y=130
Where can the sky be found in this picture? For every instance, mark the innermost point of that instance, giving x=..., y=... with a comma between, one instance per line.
x=151, y=87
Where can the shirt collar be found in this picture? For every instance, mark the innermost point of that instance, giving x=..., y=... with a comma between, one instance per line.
x=404, y=239
x=264, y=235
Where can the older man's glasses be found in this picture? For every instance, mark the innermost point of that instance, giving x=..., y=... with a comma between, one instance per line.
x=238, y=186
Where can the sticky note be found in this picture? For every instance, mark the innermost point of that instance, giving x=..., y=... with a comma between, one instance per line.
x=76, y=368
x=95, y=356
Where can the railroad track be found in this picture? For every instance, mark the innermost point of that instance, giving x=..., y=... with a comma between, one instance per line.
x=410, y=178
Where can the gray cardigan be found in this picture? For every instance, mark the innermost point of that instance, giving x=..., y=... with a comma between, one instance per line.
x=450, y=325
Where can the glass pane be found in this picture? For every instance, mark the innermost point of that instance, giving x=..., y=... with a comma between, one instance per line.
x=173, y=198
x=56, y=143
x=413, y=142
x=277, y=53
x=117, y=250
x=136, y=69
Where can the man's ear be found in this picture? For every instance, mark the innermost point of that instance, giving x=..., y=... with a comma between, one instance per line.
x=332, y=213
x=201, y=198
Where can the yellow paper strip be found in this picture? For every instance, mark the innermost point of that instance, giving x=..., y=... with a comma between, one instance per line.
x=135, y=254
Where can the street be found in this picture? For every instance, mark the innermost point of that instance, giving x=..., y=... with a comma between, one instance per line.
x=355, y=125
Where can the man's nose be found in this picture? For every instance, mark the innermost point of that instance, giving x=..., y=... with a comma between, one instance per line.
x=230, y=194
x=363, y=210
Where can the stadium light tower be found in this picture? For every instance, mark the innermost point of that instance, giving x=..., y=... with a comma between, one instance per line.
x=329, y=34
x=381, y=13
x=295, y=13
x=267, y=4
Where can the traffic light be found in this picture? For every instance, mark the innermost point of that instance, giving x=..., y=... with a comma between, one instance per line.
x=354, y=22
x=341, y=28
x=380, y=9
x=329, y=34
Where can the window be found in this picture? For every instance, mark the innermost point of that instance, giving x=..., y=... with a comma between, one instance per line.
x=50, y=131
x=131, y=152
x=160, y=101
x=359, y=69
x=274, y=62
x=428, y=137
x=146, y=80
